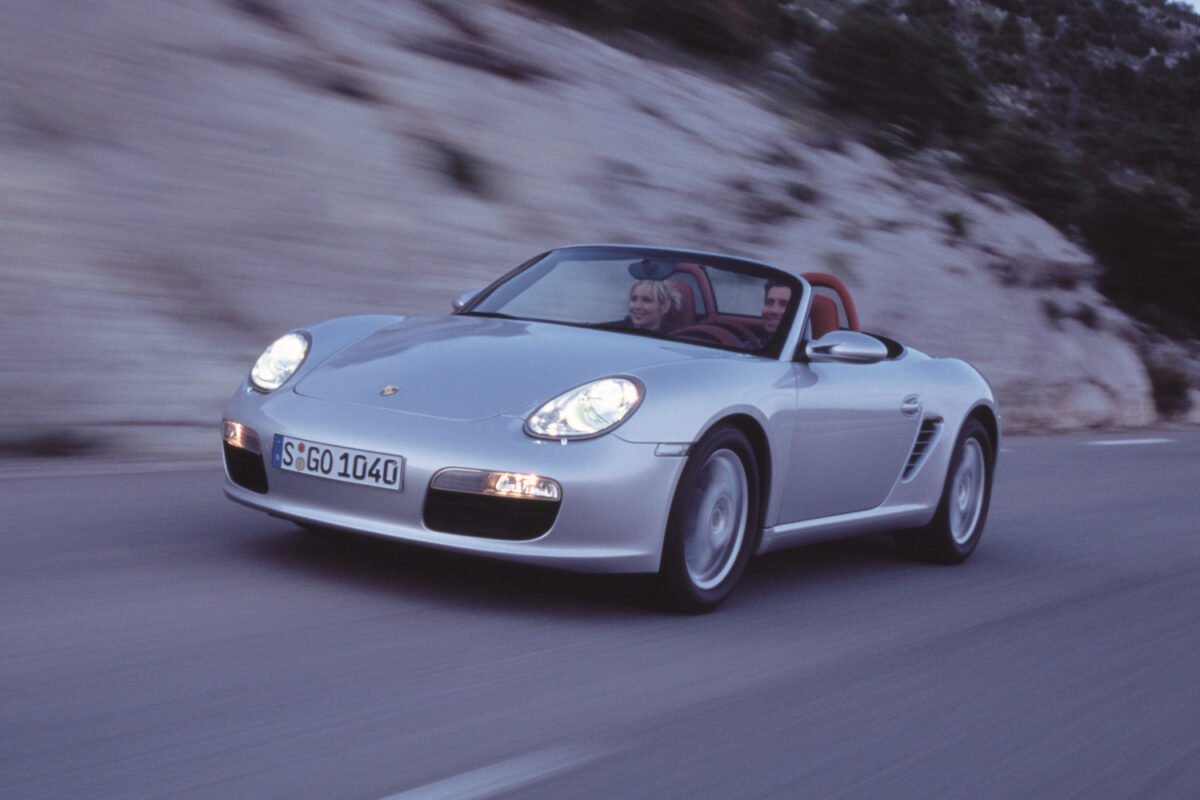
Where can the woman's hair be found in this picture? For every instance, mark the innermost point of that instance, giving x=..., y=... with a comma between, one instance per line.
x=664, y=292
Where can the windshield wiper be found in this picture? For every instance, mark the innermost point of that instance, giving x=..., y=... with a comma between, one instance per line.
x=492, y=314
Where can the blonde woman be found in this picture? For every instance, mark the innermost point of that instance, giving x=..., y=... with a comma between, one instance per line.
x=650, y=303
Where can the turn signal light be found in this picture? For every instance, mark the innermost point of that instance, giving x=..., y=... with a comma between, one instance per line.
x=238, y=435
x=516, y=484
x=524, y=485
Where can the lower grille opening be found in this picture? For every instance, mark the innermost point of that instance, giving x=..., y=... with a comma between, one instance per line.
x=488, y=516
x=246, y=468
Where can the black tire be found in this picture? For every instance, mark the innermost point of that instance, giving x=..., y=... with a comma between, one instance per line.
x=699, y=572
x=954, y=532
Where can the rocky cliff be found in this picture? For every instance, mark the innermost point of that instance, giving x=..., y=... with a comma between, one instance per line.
x=182, y=181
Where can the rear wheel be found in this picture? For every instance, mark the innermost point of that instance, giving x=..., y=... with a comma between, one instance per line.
x=954, y=532
x=713, y=527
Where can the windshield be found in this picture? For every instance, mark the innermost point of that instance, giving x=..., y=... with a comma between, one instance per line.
x=703, y=299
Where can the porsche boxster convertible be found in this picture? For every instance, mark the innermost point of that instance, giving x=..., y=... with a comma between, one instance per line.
x=620, y=409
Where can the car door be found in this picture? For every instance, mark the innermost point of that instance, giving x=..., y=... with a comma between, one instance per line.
x=853, y=429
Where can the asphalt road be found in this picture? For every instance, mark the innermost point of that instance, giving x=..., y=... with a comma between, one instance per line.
x=159, y=641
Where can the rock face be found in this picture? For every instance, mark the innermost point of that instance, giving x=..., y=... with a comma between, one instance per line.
x=180, y=183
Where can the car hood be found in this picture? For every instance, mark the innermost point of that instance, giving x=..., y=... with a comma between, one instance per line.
x=466, y=367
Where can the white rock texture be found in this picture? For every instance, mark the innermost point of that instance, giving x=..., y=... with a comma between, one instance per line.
x=182, y=181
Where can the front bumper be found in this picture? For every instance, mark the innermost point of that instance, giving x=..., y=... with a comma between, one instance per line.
x=616, y=495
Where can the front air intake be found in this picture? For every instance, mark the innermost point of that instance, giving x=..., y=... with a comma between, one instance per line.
x=245, y=468
x=926, y=436
x=470, y=514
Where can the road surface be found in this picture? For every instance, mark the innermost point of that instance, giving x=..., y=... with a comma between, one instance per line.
x=158, y=641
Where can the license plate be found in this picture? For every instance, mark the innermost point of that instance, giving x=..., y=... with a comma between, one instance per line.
x=363, y=467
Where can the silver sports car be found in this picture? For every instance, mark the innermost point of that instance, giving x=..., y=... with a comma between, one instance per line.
x=620, y=409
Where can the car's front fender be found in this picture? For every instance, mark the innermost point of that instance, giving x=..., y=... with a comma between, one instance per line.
x=685, y=398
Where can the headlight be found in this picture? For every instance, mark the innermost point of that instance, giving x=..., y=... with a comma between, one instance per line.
x=587, y=410
x=279, y=362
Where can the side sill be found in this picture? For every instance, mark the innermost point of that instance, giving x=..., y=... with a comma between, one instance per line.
x=845, y=525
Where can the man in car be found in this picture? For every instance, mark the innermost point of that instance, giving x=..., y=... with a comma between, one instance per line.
x=775, y=302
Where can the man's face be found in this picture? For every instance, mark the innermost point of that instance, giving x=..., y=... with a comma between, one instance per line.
x=776, y=303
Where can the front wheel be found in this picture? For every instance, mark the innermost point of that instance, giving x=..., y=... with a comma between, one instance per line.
x=954, y=532
x=713, y=527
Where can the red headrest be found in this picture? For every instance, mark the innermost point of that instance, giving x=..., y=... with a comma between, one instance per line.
x=824, y=316
x=686, y=315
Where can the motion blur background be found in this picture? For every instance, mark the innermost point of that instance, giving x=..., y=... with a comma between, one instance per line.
x=1012, y=181
x=181, y=181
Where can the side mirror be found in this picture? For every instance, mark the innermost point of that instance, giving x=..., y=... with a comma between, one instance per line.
x=847, y=347
x=464, y=298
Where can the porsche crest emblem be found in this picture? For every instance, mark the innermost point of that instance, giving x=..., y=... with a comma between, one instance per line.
x=388, y=390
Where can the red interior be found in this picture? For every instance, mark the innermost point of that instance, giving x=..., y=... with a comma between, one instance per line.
x=824, y=279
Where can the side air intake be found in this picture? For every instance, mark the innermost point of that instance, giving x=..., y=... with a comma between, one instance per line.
x=926, y=436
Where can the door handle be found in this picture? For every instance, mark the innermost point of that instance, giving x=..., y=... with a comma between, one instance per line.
x=911, y=405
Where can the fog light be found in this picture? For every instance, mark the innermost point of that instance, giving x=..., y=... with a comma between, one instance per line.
x=516, y=484
x=498, y=484
x=238, y=435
